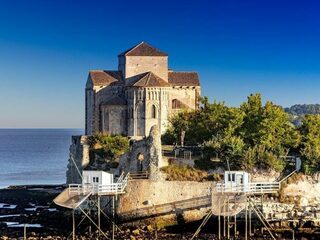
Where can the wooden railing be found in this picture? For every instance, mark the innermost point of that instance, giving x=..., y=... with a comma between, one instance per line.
x=139, y=175
x=80, y=189
x=112, y=188
x=285, y=178
x=253, y=188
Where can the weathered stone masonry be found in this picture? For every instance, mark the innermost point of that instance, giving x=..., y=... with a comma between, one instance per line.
x=143, y=92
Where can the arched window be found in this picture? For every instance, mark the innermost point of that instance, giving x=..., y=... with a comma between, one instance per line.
x=130, y=112
x=175, y=103
x=153, y=111
x=140, y=111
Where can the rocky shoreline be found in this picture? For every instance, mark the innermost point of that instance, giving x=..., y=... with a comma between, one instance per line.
x=32, y=206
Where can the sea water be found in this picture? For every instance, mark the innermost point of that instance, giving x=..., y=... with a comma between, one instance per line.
x=34, y=156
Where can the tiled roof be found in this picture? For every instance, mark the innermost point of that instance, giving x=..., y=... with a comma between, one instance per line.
x=104, y=78
x=116, y=100
x=143, y=49
x=148, y=79
x=183, y=79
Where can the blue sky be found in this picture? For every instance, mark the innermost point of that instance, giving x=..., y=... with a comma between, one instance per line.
x=238, y=47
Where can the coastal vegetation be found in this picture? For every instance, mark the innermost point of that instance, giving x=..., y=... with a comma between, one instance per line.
x=108, y=148
x=186, y=173
x=254, y=135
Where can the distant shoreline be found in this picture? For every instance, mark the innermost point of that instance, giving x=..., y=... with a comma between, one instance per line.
x=34, y=186
x=40, y=128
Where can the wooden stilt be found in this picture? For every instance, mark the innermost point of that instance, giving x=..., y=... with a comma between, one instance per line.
x=90, y=215
x=250, y=230
x=224, y=218
x=99, y=216
x=93, y=222
x=228, y=219
x=246, y=221
x=24, y=232
x=73, y=226
x=113, y=215
x=293, y=236
x=235, y=226
x=219, y=222
x=235, y=220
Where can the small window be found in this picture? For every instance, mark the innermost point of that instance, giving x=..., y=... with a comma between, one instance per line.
x=95, y=179
x=153, y=111
x=131, y=112
x=231, y=177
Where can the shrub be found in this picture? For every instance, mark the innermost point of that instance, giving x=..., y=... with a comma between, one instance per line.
x=108, y=146
x=204, y=164
x=184, y=173
x=216, y=177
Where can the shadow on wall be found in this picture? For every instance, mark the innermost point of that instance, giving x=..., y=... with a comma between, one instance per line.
x=177, y=207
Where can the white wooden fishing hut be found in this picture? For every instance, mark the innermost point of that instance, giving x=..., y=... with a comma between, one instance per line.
x=234, y=178
x=97, y=177
x=96, y=183
x=240, y=182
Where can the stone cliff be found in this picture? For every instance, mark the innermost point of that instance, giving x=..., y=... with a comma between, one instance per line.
x=78, y=159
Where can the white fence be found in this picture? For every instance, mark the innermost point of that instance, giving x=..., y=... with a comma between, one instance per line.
x=113, y=188
x=251, y=188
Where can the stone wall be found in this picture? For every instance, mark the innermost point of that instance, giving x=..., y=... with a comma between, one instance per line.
x=157, y=97
x=187, y=95
x=140, y=102
x=89, y=113
x=135, y=65
x=144, y=155
x=78, y=159
x=95, y=97
x=171, y=201
x=114, y=119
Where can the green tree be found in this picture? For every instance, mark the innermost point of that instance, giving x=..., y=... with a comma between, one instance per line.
x=268, y=126
x=248, y=159
x=212, y=120
x=310, y=144
x=276, y=132
x=180, y=124
x=253, y=135
x=108, y=146
x=253, y=111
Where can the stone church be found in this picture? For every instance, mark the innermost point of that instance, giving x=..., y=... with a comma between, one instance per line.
x=143, y=92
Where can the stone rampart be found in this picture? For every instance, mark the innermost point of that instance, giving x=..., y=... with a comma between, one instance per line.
x=78, y=158
x=170, y=202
